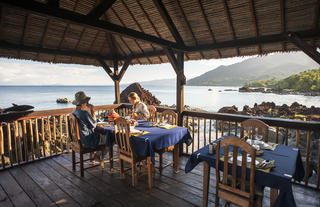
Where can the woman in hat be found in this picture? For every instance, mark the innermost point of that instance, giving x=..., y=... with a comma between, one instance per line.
x=87, y=125
x=139, y=108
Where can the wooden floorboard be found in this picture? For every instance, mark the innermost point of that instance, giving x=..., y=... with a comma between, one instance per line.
x=52, y=182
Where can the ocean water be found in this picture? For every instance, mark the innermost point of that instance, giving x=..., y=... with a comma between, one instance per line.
x=44, y=97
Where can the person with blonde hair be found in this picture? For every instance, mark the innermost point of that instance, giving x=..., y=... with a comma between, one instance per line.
x=139, y=109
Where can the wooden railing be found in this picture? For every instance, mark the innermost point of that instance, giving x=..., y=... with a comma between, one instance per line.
x=38, y=135
x=44, y=134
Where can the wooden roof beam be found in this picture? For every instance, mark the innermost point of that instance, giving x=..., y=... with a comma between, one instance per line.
x=168, y=21
x=106, y=68
x=255, y=23
x=283, y=21
x=208, y=25
x=53, y=3
x=304, y=46
x=83, y=20
x=100, y=9
x=11, y=46
x=227, y=12
x=123, y=69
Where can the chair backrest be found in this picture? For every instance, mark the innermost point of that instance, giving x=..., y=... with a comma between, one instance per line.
x=169, y=116
x=73, y=129
x=224, y=184
x=153, y=113
x=254, y=127
x=122, y=134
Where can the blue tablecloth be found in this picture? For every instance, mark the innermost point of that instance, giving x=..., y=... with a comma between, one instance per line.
x=156, y=139
x=288, y=165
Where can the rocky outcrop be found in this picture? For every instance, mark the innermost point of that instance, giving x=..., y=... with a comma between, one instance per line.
x=270, y=109
x=144, y=95
x=247, y=90
x=63, y=100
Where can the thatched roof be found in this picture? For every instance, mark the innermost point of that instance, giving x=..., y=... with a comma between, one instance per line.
x=34, y=30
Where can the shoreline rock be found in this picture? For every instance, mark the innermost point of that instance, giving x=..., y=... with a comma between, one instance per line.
x=277, y=91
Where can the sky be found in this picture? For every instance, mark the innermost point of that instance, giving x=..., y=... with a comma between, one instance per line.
x=21, y=72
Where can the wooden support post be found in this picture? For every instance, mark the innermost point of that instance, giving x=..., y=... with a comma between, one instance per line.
x=304, y=46
x=115, y=75
x=181, y=81
x=116, y=82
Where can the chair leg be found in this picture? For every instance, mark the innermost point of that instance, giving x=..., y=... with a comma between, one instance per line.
x=217, y=200
x=81, y=165
x=102, y=160
x=73, y=160
x=111, y=158
x=134, y=174
x=160, y=162
x=259, y=201
x=122, y=176
x=150, y=177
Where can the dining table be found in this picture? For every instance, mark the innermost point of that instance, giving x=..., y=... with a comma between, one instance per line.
x=154, y=139
x=288, y=167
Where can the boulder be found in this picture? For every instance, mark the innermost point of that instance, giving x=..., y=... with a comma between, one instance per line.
x=144, y=95
x=229, y=109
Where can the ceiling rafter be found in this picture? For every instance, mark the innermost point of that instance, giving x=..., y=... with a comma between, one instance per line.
x=168, y=21
x=138, y=25
x=53, y=3
x=83, y=20
x=44, y=36
x=208, y=25
x=189, y=26
x=24, y=31
x=100, y=9
x=228, y=15
x=283, y=21
x=316, y=18
x=255, y=23
x=65, y=30
x=123, y=24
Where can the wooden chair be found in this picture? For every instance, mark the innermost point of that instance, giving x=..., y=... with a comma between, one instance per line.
x=123, y=136
x=231, y=188
x=169, y=116
x=153, y=113
x=255, y=127
x=77, y=147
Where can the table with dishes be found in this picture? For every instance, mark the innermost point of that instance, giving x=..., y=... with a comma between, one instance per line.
x=149, y=137
x=276, y=167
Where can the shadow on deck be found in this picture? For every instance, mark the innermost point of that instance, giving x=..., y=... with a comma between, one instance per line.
x=52, y=182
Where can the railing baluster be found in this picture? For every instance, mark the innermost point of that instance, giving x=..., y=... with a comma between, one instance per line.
x=318, y=174
x=277, y=135
x=2, y=147
x=236, y=129
x=205, y=132
x=307, y=158
x=16, y=141
x=49, y=131
x=229, y=130
x=67, y=132
x=187, y=125
x=193, y=128
x=9, y=143
x=297, y=137
x=222, y=128
x=31, y=139
x=198, y=133
x=216, y=129
x=210, y=129
x=25, y=142
x=55, y=135
x=61, y=134
x=37, y=138
x=43, y=137
x=286, y=136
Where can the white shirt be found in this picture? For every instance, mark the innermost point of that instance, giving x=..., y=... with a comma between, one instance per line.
x=142, y=108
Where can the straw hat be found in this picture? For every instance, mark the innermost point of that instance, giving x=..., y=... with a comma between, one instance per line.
x=80, y=98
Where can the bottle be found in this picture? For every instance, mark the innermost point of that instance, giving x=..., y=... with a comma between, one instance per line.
x=211, y=148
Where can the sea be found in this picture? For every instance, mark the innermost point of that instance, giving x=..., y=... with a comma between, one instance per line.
x=44, y=97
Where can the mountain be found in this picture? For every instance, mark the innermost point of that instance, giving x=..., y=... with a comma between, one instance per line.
x=278, y=66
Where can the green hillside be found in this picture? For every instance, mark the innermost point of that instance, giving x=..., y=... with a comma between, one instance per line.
x=276, y=66
x=306, y=81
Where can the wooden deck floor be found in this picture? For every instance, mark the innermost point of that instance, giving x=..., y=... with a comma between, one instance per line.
x=52, y=182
